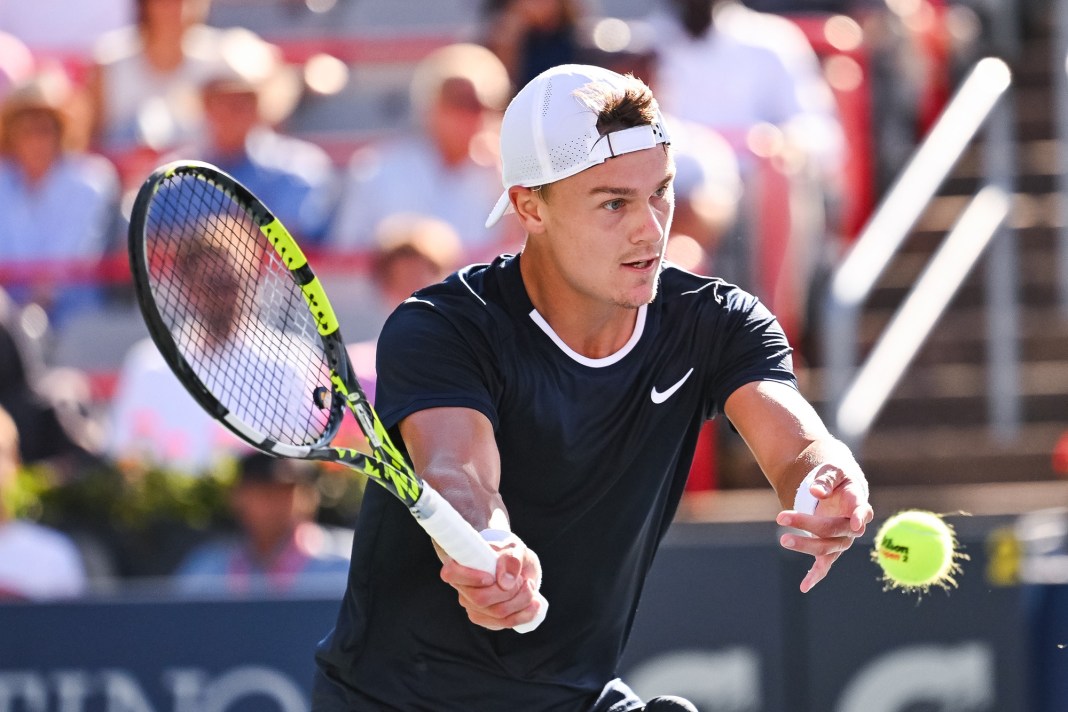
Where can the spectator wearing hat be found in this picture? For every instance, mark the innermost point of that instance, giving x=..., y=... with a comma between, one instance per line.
x=244, y=100
x=447, y=167
x=57, y=204
x=16, y=62
x=278, y=548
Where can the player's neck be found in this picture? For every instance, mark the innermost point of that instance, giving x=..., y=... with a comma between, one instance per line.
x=589, y=326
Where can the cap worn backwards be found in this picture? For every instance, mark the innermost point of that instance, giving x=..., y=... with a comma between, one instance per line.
x=548, y=133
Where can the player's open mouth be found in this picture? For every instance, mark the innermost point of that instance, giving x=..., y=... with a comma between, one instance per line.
x=640, y=264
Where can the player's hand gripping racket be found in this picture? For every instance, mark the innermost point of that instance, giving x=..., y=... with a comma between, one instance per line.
x=244, y=323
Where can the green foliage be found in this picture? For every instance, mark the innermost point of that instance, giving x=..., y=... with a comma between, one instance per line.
x=147, y=519
x=103, y=496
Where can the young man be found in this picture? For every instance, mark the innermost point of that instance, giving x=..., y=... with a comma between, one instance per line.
x=559, y=414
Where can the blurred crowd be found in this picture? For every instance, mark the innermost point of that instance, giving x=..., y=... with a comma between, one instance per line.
x=787, y=118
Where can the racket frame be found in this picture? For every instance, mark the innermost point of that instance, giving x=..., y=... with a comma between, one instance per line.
x=388, y=467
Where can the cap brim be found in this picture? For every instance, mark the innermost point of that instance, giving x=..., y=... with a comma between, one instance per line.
x=504, y=203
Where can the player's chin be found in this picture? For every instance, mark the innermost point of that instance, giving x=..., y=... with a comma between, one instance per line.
x=637, y=296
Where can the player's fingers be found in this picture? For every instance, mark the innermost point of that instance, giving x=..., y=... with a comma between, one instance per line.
x=484, y=609
x=827, y=478
x=483, y=591
x=457, y=575
x=818, y=572
x=862, y=516
x=509, y=567
x=815, y=546
x=826, y=526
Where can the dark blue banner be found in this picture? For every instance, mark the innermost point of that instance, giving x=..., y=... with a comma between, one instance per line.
x=722, y=622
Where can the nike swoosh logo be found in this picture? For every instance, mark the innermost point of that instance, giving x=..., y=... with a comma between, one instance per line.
x=661, y=396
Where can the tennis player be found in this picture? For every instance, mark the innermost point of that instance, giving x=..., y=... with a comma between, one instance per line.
x=555, y=398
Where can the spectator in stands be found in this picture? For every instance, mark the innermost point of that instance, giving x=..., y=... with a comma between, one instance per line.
x=153, y=419
x=279, y=547
x=728, y=67
x=49, y=406
x=243, y=101
x=411, y=252
x=56, y=205
x=708, y=189
x=36, y=563
x=143, y=85
x=530, y=36
x=447, y=168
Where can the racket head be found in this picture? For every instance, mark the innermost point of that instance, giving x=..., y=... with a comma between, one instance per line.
x=216, y=277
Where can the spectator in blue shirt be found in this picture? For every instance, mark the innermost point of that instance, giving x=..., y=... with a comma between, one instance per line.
x=244, y=101
x=57, y=206
x=279, y=548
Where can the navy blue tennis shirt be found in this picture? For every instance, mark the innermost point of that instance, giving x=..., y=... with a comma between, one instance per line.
x=594, y=457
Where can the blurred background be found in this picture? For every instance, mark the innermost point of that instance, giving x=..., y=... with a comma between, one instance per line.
x=887, y=175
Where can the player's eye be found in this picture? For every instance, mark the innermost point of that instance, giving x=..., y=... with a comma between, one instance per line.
x=662, y=191
x=614, y=205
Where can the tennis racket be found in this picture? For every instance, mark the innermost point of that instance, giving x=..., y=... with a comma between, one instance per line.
x=239, y=316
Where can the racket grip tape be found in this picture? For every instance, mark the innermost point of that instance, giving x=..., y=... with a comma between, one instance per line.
x=459, y=540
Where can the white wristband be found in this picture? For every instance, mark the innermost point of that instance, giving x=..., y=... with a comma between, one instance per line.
x=495, y=535
x=804, y=502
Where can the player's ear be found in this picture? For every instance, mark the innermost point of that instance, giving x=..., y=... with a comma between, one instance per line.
x=528, y=207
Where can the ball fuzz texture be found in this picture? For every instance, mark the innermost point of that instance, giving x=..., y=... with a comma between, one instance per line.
x=916, y=550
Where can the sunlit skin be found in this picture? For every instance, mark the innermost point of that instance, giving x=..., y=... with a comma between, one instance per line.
x=592, y=257
x=594, y=247
x=231, y=116
x=269, y=513
x=34, y=142
x=454, y=120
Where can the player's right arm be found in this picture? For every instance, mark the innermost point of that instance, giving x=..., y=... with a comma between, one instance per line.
x=455, y=451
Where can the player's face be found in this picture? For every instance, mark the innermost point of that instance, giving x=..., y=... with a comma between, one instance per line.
x=606, y=227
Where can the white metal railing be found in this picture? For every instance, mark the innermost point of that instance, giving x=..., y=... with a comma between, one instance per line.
x=903, y=337
x=969, y=109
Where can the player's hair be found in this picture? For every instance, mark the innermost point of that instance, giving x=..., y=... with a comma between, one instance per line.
x=635, y=105
x=616, y=110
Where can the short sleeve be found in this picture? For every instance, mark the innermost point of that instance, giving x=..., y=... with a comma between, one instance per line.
x=425, y=360
x=755, y=348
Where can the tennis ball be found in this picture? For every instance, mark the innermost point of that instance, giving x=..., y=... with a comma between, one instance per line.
x=916, y=550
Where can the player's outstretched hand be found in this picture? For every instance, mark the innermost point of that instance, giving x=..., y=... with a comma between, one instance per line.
x=505, y=600
x=842, y=513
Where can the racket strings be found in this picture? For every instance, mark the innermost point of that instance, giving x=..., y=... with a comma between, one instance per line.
x=239, y=319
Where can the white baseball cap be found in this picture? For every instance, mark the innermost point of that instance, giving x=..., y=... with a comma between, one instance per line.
x=549, y=132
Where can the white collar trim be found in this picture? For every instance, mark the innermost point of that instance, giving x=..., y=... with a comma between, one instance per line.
x=639, y=327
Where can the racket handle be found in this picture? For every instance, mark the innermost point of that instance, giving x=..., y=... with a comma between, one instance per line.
x=460, y=541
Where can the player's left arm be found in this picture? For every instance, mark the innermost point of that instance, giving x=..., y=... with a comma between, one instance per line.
x=455, y=451
x=789, y=440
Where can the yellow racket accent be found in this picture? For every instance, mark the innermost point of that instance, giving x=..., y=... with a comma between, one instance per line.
x=325, y=319
x=284, y=244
